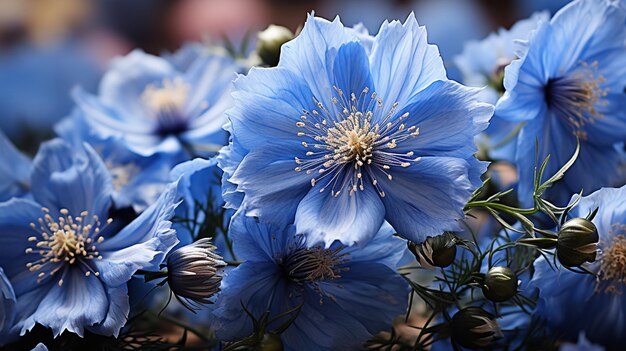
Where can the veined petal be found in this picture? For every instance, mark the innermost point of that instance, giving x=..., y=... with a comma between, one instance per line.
x=427, y=198
x=348, y=217
x=79, y=302
x=276, y=191
x=117, y=314
x=140, y=245
x=64, y=178
x=448, y=116
x=268, y=104
x=405, y=62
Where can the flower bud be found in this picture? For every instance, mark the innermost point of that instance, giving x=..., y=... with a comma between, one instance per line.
x=474, y=328
x=271, y=342
x=269, y=42
x=500, y=284
x=195, y=273
x=577, y=242
x=438, y=251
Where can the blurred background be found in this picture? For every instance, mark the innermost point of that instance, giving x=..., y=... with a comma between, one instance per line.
x=49, y=46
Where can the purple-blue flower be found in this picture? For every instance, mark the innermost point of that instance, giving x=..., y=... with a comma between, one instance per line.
x=153, y=107
x=346, y=293
x=67, y=260
x=342, y=136
x=570, y=83
x=571, y=303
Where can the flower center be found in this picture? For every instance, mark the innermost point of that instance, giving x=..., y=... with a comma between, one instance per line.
x=613, y=263
x=63, y=242
x=315, y=264
x=354, y=140
x=121, y=174
x=575, y=97
x=166, y=103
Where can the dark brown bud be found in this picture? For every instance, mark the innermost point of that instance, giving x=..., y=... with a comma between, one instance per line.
x=500, y=284
x=577, y=242
x=438, y=251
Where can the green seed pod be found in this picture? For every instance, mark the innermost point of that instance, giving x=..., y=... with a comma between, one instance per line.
x=438, y=251
x=500, y=284
x=269, y=42
x=577, y=242
x=474, y=328
x=271, y=342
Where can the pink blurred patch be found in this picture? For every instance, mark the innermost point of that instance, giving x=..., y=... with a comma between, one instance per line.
x=192, y=20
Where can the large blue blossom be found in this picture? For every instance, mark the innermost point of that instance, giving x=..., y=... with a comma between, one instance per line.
x=340, y=137
x=571, y=83
x=571, y=302
x=348, y=293
x=482, y=64
x=152, y=107
x=7, y=305
x=67, y=262
x=14, y=170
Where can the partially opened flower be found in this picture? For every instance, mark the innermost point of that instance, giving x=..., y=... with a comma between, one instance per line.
x=569, y=85
x=343, y=294
x=194, y=273
x=340, y=136
x=153, y=107
x=572, y=303
x=68, y=261
x=14, y=170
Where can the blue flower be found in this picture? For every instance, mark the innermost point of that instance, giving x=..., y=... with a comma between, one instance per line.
x=152, y=107
x=67, y=260
x=572, y=302
x=137, y=180
x=347, y=293
x=570, y=83
x=482, y=64
x=340, y=137
x=14, y=170
x=7, y=306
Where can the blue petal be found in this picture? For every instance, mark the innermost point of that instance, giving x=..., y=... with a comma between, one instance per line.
x=306, y=55
x=384, y=248
x=117, y=314
x=80, y=302
x=274, y=193
x=228, y=160
x=63, y=178
x=268, y=103
x=405, y=62
x=258, y=242
x=140, y=245
x=427, y=198
x=15, y=218
x=256, y=285
x=448, y=116
x=348, y=218
x=14, y=170
x=351, y=69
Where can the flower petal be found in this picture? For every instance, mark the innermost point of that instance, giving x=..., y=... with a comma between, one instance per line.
x=405, y=62
x=140, y=245
x=348, y=218
x=64, y=178
x=427, y=198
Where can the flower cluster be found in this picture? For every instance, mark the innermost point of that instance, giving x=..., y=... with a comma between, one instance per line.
x=331, y=190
